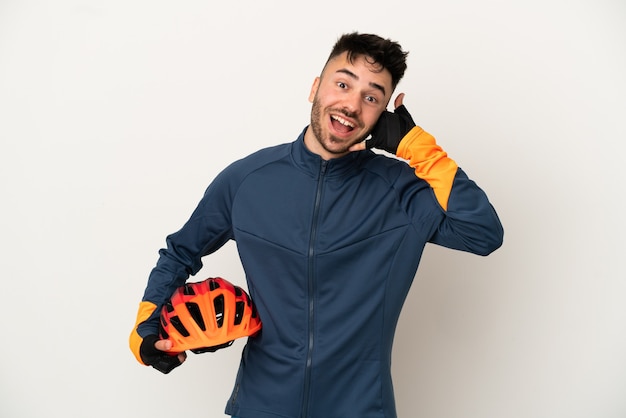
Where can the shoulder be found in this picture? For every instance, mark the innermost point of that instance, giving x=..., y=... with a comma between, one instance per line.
x=385, y=166
x=238, y=170
x=259, y=158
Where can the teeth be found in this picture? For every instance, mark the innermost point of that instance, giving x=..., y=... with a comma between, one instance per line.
x=342, y=121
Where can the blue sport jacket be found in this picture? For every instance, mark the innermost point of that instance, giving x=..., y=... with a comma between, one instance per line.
x=330, y=249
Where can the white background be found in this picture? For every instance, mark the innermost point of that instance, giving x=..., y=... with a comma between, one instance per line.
x=115, y=115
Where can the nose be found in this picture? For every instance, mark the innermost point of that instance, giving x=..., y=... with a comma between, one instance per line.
x=352, y=103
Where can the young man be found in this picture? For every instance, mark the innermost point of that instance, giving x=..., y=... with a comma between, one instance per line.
x=330, y=235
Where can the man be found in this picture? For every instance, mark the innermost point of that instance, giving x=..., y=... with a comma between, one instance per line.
x=330, y=235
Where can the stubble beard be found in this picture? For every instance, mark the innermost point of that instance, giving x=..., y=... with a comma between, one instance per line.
x=327, y=142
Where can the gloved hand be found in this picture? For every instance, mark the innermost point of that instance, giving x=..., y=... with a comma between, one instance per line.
x=160, y=360
x=391, y=128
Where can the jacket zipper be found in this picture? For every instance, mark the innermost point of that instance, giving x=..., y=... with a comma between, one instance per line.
x=311, y=290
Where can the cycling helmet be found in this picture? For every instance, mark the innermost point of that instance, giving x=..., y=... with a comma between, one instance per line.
x=208, y=315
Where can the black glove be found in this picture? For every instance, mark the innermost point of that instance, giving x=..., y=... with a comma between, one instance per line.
x=156, y=358
x=390, y=129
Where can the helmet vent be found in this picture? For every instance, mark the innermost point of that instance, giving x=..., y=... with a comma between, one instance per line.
x=175, y=321
x=188, y=290
x=239, y=307
x=213, y=285
x=162, y=333
x=218, y=303
x=194, y=311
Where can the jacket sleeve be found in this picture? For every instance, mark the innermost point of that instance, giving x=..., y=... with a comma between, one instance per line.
x=470, y=222
x=208, y=229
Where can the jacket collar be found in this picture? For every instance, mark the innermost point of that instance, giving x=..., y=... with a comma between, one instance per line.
x=312, y=163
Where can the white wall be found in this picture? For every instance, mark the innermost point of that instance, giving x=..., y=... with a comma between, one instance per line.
x=115, y=115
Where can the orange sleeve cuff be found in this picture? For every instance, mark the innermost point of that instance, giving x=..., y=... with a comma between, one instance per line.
x=430, y=161
x=145, y=310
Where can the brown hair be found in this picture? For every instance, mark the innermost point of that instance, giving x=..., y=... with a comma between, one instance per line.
x=376, y=50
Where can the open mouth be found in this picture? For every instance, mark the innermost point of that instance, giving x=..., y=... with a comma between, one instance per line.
x=341, y=125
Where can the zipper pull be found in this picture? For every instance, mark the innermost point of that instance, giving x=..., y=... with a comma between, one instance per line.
x=323, y=167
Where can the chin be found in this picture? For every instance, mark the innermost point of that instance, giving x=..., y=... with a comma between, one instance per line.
x=334, y=148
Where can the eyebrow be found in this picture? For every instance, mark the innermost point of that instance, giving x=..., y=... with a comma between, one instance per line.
x=352, y=75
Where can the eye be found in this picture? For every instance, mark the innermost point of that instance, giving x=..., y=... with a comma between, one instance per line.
x=342, y=85
x=371, y=99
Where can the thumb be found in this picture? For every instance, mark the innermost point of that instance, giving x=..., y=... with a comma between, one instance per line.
x=360, y=146
x=163, y=345
x=398, y=102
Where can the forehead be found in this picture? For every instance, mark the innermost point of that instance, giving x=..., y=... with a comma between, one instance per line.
x=366, y=71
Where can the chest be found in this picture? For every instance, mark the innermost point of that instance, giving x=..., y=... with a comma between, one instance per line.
x=294, y=210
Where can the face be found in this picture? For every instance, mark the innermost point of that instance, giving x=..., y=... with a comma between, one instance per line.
x=347, y=100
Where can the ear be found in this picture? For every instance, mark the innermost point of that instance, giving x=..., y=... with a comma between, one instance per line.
x=314, y=87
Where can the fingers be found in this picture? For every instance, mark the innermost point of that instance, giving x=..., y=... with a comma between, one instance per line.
x=163, y=345
x=358, y=147
x=398, y=102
